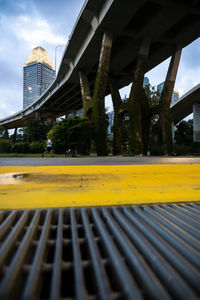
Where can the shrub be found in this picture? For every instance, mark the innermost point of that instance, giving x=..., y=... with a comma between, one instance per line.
x=195, y=147
x=180, y=149
x=74, y=133
x=5, y=146
x=156, y=149
x=36, y=147
x=21, y=147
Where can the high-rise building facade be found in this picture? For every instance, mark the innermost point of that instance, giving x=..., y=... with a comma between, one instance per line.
x=38, y=75
x=160, y=86
x=146, y=81
x=175, y=95
x=175, y=98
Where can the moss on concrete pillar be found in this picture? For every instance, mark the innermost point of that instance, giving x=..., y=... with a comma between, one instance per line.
x=165, y=101
x=137, y=98
x=98, y=111
x=118, y=133
x=85, y=92
x=196, y=122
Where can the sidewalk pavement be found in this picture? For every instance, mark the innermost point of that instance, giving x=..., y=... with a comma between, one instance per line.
x=112, y=181
x=93, y=160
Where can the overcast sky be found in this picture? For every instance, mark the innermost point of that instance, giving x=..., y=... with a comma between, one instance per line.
x=26, y=24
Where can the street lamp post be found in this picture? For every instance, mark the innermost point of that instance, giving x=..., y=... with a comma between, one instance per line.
x=55, y=54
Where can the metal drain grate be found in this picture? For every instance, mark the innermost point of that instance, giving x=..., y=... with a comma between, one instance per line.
x=126, y=252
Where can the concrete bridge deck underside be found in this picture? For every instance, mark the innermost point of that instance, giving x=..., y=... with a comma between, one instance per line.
x=168, y=24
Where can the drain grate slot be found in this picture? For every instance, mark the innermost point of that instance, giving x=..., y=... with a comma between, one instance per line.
x=126, y=252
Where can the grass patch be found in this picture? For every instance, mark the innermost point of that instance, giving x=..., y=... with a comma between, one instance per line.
x=27, y=155
x=38, y=155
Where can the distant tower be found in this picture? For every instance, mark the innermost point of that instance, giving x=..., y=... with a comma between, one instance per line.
x=146, y=81
x=160, y=86
x=175, y=95
x=38, y=75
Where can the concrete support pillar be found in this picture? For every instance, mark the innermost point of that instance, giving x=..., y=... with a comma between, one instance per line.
x=138, y=104
x=37, y=115
x=98, y=112
x=165, y=101
x=14, y=135
x=6, y=135
x=118, y=117
x=173, y=132
x=85, y=92
x=52, y=120
x=196, y=122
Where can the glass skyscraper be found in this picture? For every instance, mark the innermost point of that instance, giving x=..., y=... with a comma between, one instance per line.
x=175, y=95
x=38, y=75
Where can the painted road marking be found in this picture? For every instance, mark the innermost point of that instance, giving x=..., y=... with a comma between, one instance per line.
x=72, y=186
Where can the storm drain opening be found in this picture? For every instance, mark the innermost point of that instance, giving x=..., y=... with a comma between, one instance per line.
x=125, y=252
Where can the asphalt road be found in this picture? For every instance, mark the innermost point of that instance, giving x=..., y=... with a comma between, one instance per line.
x=108, y=160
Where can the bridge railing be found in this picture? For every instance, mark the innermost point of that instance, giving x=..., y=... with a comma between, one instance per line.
x=190, y=91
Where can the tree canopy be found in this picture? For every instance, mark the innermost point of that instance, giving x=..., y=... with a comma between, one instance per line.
x=35, y=130
x=3, y=133
x=184, y=133
x=74, y=133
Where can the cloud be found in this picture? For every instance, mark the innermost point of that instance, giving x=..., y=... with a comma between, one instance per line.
x=158, y=74
x=2, y=19
x=9, y=103
x=2, y=106
x=187, y=78
x=20, y=5
x=34, y=31
x=24, y=19
x=13, y=7
x=188, y=71
x=61, y=13
x=25, y=24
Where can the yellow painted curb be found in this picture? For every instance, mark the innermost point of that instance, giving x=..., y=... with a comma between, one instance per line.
x=71, y=186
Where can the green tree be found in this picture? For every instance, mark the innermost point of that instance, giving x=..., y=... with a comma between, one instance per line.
x=74, y=133
x=155, y=137
x=152, y=95
x=184, y=133
x=5, y=145
x=35, y=130
x=184, y=139
x=126, y=134
x=4, y=133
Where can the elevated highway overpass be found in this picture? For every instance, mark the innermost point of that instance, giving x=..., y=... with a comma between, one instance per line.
x=168, y=23
x=188, y=103
x=184, y=107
